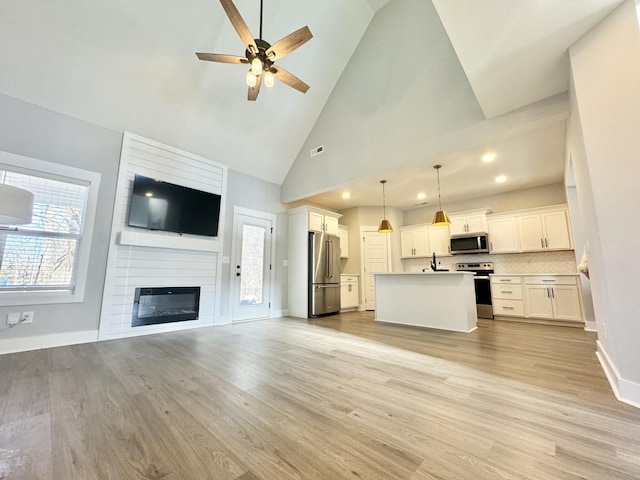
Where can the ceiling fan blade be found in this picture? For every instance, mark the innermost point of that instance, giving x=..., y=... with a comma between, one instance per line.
x=253, y=91
x=220, y=58
x=240, y=26
x=289, y=43
x=289, y=79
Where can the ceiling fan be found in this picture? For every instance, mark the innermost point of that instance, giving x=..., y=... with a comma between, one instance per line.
x=261, y=55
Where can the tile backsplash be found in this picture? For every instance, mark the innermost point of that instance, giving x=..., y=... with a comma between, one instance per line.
x=535, y=262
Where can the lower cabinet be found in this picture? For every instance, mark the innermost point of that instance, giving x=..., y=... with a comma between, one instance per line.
x=552, y=298
x=544, y=297
x=506, y=293
x=349, y=297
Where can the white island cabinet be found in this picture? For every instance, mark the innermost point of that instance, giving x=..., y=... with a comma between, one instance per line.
x=442, y=300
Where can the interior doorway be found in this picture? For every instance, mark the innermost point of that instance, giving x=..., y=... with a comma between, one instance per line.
x=375, y=259
x=251, y=269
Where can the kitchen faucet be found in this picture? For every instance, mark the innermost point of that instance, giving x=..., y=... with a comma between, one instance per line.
x=434, y=264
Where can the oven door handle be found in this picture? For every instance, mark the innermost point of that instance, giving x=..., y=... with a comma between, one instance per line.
x=483, y=277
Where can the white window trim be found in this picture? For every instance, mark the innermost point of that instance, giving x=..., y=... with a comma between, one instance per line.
x=32, y=166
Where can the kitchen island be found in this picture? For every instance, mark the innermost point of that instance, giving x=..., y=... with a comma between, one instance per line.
x=442, y=300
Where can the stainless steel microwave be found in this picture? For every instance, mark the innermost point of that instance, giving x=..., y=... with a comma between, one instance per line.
x=469, y=243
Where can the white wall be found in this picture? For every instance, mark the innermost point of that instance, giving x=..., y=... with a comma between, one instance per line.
x=397, y=103
x=503, y=202
x=605, y=147
x=251, y=192
x=35, y=132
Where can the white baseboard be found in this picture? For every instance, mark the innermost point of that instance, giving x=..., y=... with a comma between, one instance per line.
x=590, y=326
x=223, y=320
x=279, y=313
x=22, y=344
x=624, y=390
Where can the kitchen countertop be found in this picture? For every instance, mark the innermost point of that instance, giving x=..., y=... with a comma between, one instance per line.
x=425, y=273
x=534, y=274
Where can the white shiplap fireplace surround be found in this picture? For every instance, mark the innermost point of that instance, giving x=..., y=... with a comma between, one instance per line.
x=139, y=258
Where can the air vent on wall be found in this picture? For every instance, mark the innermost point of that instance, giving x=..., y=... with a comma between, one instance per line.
x=317, y=150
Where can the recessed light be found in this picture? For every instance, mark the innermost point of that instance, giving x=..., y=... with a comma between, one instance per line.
x=501, y=179
x=148, y=194
x=489, y=157
x=422, y=196
x=346, y=195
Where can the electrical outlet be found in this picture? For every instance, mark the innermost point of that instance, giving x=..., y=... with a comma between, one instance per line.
x=27, y=317
x=13, y=318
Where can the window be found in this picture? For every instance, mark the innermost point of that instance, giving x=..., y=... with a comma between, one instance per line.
x=45, y=261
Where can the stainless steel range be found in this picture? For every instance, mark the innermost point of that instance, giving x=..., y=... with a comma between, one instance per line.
x=483, y=286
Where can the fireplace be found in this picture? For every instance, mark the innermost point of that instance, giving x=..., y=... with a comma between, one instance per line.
x=152, y=306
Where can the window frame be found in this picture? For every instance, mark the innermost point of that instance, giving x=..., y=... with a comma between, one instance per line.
x=55, y=171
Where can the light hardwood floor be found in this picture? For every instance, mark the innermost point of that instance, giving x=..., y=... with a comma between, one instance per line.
x=339, y=397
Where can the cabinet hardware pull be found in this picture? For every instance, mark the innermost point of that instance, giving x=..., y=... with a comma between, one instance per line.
x=508, y=308
x=505, y=291
x=549, y=280
x=541, y=243
x=546, y=243
x=505, y=280
x=553, y=293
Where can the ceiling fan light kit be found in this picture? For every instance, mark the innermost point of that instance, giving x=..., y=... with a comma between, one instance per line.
x=261, y=55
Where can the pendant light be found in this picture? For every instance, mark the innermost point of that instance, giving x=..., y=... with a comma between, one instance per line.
x=440, y=219
x=385, y=225
x=16, y=205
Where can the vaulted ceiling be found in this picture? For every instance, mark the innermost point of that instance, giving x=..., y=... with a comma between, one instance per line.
x=132, y=66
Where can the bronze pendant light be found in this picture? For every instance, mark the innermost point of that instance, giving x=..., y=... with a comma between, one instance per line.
x=440, y=219
x=385, y=225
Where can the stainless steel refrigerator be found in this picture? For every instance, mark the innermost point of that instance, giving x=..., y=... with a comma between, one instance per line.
x=324, y=274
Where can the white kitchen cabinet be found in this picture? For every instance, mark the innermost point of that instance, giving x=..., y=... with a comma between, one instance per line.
x=349, y=297
x=544, y=231
x=439, y=241
x=319, y=222
x=343, y=234
x=472, y=221
x=506, y=295
x=552, y=298
x=414, y=241
x=302, y=220
x=503, y=235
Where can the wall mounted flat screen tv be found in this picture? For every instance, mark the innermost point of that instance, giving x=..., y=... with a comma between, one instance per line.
x=157, y=205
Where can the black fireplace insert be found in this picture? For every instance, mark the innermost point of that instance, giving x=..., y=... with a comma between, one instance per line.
x=152, y=306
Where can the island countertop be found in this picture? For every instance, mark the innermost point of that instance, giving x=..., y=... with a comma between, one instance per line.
x=442, y=300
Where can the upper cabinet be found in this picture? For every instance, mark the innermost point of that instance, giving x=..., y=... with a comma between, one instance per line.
x=439, y=241
x=423, y=241
x=533, y=230
x=343, y=233
x=323, y=222
x=414, y=241
x=503, y=235
x=545, y=231
x=472, y=221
